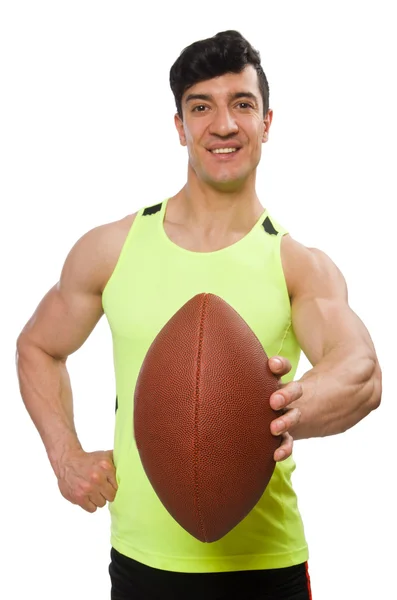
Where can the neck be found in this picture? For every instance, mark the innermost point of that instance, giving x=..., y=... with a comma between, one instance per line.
x=204, y=207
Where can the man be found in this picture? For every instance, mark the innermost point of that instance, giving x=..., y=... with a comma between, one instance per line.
x=213, y=236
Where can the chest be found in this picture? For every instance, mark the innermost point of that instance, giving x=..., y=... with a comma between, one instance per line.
x=211, y=241
x=143, y=296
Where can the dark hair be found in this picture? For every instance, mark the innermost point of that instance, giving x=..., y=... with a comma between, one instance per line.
x=225, y=52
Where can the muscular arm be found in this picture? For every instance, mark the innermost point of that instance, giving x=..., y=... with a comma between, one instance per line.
x=60, y=325
x=344, y=384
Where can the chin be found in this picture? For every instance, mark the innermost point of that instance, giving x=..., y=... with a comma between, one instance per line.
x=227, y=184
x=229, y=180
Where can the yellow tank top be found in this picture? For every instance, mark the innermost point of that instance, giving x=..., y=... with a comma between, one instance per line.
x=153, y=278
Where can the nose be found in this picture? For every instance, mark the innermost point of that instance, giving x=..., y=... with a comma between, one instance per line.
x=223, y=123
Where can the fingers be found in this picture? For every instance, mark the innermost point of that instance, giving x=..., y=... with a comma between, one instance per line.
x=281, y=400
x=285, y=422
x=97, y=499
x=110, y=472
x=88, y=505
x=113, y=482
x=95, y=493
x=80, y=497
x=101, y=486
x=285, y=395
x=279, y=365
x=92, y=503
x=285, y=449
x=91, y=496
x=89, y=480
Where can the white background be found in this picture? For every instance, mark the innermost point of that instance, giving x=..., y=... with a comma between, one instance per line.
x=87, y=137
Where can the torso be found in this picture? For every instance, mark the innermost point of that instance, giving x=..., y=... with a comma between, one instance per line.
x=115, y=235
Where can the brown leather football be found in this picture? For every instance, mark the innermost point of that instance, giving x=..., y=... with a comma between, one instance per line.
x=202, y=417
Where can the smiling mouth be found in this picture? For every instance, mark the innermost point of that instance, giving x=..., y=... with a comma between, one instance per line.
x=224, y=150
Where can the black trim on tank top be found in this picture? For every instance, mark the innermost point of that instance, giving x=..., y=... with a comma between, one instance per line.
x=268, y=227
x=117, y=403
x=152, y=210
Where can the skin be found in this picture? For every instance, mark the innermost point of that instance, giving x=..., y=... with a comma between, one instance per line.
x=217, y=206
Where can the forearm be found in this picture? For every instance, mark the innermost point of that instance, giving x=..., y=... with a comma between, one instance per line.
x=338, y=392
x=46, y=391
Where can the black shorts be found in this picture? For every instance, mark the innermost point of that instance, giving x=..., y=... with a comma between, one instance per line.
x=132, y=580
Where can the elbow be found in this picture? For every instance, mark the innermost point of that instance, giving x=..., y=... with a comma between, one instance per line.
x=375, y=381
x=22, y=355
x=19, y=347
x=22, y=347
x=24, y=351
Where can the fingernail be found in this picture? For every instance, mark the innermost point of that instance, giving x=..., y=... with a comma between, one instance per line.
x=277, y=362
x=278, y=401
x=280, y=454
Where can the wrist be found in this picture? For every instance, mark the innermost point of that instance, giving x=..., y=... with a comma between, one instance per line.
x=59, y=453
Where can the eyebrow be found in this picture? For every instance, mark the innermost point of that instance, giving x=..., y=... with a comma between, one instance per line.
x=209, y=97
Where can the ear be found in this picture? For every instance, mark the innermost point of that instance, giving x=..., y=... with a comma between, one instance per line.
x=180, y=129
x=267, y=121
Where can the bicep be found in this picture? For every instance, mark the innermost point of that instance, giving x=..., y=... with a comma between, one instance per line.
x=70, y=310
x=321, y=316
x=62, y=321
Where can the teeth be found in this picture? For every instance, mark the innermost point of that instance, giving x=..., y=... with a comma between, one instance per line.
x=223, y=150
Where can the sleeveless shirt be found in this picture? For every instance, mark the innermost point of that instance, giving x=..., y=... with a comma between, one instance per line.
x=152, y=279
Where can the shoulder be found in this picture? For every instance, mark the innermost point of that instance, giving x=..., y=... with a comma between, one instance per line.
x=310, y=271
x=93, y=257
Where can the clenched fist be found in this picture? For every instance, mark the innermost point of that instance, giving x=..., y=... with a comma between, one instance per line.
x=88, y=479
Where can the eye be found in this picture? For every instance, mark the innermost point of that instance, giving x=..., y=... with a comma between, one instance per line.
x=199, y=108
x=245, y=105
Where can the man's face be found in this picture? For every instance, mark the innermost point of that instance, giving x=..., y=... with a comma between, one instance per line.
x=224, y=128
